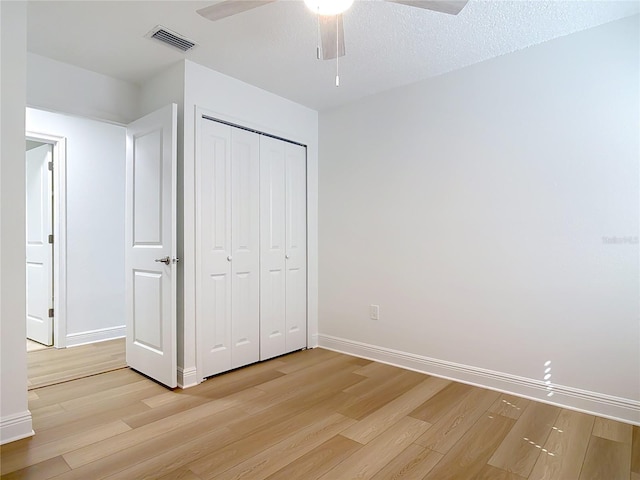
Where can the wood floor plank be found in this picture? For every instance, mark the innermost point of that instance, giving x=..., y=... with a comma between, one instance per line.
x=509, y=406
x=142, y=387
x=613, y=430
x=270, y=460
x=40, y=471
x=306, y=358
x=52, y=366
x=565, y=449
x=385, y=391
x=71, y=426
x=413, y=463
x=155, y=457
x=374, y=424
x=318, y=461
x=252, y=441
x=516, y=454
x=376, y=369
x=182, y=474
x=373, y=457
x=469, y=456
x=364, y=388
x=17, y=460
x=606, y=459
x=240, y=379
x=328, y=367
x=434, y=408
x=85, y=386
x=458, y=420
x=489, y=472
x=222, y=409
x=188, y=401
x=55, y=425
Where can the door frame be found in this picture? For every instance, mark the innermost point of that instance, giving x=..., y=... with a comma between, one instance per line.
x=59, y=147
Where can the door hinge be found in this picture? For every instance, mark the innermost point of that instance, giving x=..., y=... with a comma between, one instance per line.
x=51, y=313
x=50, y=166
x=51, y=238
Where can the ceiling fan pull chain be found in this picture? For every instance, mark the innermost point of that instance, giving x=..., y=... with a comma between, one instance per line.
x=318, y=35
x=337, y=50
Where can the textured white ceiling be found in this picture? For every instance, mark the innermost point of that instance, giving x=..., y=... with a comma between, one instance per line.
x=273, y=47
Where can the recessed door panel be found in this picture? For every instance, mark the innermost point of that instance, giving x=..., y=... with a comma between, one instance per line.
x=272, y=314
x=148, y=311
x=246, y=318
x=216, y=328
x=147, y=169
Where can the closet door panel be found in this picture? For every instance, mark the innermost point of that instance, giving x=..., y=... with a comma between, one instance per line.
x=272, y=233
x=296, y=248
x=214, y=275
x=245, y=251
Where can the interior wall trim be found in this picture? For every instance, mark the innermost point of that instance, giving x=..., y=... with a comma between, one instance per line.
x=93, y=336
x=595, y=403
x=187, y=377
x=15, y=427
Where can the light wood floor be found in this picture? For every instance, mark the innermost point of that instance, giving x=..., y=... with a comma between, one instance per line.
x=312, y=415
x=33, y=346
x=51, y=365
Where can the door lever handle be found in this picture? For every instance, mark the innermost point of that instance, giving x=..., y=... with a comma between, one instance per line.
x=165, y=260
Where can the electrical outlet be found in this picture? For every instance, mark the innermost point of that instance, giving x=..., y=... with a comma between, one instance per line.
x=374, y=312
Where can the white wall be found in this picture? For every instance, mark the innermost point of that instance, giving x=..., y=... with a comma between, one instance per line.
x=95, y=182
x=472, y=208
x=61, y=87
x=15, y=419
x=163, y=89
x=231, y=100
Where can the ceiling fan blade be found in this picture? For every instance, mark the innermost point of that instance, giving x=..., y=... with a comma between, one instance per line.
x=452, y=7
x=330, y=26
x=230, y=7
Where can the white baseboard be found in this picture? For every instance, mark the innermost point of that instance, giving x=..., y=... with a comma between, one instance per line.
x=187, y=377
x=93, y=336
x=15, y=427
x=621, y=409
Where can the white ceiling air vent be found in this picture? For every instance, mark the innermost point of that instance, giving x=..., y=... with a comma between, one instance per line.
x=170, y=38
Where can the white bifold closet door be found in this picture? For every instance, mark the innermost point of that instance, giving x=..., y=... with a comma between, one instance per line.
x=283, y=252
x=228, y=250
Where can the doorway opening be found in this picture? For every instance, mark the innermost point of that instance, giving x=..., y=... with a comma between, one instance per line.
x=49, y=361
x=45, y=242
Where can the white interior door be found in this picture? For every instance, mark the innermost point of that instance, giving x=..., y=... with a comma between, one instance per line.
x=283, y=224
x=213, y=248
x=39, y=250
x=150, y=236
x=296, y=247
x=228, y=273
x=245, y=247
x=272, y=231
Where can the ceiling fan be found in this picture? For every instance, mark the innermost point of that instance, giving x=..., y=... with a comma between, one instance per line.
x=329, y=13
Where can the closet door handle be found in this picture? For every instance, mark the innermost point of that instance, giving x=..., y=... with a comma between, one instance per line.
x=287, y=257
x=228, y=258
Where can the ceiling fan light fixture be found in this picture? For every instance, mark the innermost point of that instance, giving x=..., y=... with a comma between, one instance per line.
x=328, y=7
